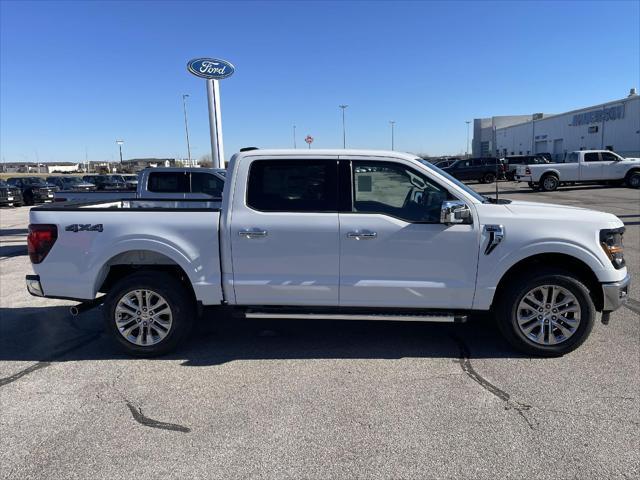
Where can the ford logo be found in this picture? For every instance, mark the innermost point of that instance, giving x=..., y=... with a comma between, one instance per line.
x=210, y=68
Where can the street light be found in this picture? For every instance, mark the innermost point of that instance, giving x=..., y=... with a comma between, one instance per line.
x=344, y=131
x=393, y=123
x=120, y=142
x=467, y=122
x=186, y=124
x=294, y=137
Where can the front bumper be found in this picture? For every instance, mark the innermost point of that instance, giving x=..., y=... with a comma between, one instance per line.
x=615, y=294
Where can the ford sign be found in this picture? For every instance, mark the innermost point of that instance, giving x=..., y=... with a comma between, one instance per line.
x=210, y=68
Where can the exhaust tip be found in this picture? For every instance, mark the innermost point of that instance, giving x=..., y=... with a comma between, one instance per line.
x=74, y=311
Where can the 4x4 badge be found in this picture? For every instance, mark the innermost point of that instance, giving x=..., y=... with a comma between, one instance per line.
x=83, y=227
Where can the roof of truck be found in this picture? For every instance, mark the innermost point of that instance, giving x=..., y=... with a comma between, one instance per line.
x=307, y=152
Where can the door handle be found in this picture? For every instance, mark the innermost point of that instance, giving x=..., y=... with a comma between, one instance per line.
x=253, y=233
x=362, y=235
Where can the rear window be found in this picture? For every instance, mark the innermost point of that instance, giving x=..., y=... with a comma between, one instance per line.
x=293, y=186
x=206, y=183
x=168, y=182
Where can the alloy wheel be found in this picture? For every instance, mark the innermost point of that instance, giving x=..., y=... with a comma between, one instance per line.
x=143, y=317
x=548, y=314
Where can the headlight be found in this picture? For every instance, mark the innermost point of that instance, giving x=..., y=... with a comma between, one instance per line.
x=611, y=242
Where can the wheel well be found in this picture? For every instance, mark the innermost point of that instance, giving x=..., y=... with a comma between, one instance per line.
x=632, y=171
x=126, y=263
x=559, y=260
x=547, y=174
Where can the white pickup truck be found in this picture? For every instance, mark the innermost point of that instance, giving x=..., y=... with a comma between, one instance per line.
x=335, y=234
x=582, y=166
x=165, y=183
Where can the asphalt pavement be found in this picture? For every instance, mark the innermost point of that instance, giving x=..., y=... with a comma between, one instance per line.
x=316, y=399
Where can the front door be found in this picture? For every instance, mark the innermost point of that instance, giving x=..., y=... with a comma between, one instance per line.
x=394, y=250
x=284, y=234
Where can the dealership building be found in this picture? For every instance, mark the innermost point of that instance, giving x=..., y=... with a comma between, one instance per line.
x=613, y=125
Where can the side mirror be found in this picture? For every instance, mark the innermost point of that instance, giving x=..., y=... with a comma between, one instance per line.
x=455, y=212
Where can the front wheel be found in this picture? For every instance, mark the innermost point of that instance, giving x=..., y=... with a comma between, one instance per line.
x=549, y=313
x=149, y=313
x=633, y=180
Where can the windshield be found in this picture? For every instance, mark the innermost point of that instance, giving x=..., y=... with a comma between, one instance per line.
x=464, y=187
x=74, y=180
x=3, y=183
x=115, y=178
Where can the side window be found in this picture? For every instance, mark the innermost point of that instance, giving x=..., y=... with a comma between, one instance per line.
x=293, y=186
x=396, y=190
x=592, y=157
x=206, y=183
x=168, y=182
x=608, y=157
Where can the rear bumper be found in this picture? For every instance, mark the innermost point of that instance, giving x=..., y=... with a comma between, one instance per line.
x=615, y=294
x=33, y=285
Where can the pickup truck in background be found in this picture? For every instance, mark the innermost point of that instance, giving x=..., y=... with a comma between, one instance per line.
x=334, y=234
x=582, y=166
x=166, y=183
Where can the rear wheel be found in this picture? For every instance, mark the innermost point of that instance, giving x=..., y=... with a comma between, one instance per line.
x=633, y=180
x=549, y=313
x=489, y=177
x=149, y=313
x=549, y=183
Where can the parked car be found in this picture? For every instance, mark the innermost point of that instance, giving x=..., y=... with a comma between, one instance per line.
x=582, y=166
x=71, y=183
x=166, y=183
x=511, y=163
x=482, y=169
x=399, y=240
x=106, y=182
x=10, y=195
x=33, y=189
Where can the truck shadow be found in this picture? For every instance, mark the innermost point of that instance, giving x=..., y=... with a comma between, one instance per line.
x=50, y=334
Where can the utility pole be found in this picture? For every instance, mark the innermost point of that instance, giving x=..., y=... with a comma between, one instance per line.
x=186, y=125
x=467, y=122
x=344, y=131
x=393, y=123
x=294, y=137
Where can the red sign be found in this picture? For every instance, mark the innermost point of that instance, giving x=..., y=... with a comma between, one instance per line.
x=309, y=139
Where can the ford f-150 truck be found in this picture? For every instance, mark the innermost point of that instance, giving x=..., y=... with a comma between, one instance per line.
x=335, y=234
x=582, y=166
x=167, y=183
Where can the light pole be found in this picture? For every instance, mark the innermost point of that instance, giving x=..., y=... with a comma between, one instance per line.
x=120, y=142
x=467, y=122
x=186, y=124
x=393, y=123
x=344, y=131
x=294, y=137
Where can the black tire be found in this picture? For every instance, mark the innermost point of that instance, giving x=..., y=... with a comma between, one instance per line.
x=489, y=177
x=633, y=179
x=549, y=183
x=533, y=186
x=510, y=298
x=178, y=297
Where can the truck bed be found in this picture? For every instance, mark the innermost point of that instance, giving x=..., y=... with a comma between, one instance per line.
x=92, y=237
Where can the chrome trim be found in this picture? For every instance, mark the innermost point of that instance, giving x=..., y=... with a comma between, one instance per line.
x=34, y=287
x=346, y=316
x=496, y=235
x=615, y=294
x=362, y=235
x=252, y=233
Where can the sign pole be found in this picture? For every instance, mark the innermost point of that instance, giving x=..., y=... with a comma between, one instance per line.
x=215, y=158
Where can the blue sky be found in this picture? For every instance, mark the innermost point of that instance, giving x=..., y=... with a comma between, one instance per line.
x=79, y=75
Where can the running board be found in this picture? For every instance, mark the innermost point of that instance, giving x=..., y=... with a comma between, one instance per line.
x=441, y=318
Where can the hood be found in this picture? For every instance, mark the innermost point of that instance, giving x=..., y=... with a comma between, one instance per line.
x=565, y=213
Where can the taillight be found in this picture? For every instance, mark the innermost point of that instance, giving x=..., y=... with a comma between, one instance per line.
x=40, y=240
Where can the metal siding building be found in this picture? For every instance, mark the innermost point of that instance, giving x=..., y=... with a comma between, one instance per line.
x=613, y=125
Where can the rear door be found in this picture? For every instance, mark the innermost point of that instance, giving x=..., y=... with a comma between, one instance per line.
x=592, y=167
x=284, y=232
